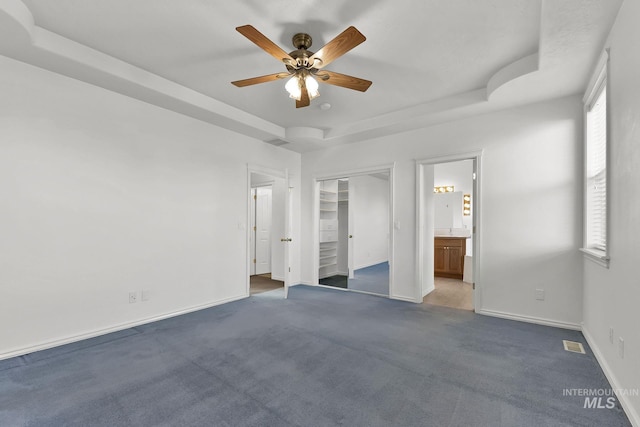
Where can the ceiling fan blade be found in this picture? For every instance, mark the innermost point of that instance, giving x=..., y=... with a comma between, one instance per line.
x=261, y=79
x=304, y=98
x=264, y=43
x=337, y=47
x=343, y=80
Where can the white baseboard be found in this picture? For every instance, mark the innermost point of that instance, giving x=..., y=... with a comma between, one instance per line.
x=335, y=288
x=116, y=328
x=632, y=414
x=429, y=290
x=369, y=264
x=281, y=279
x=531, y=319
x=407, y=299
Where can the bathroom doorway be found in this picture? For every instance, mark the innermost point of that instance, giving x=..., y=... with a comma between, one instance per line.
x=448, y=232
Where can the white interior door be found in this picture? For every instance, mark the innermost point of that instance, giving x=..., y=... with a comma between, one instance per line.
x=352, y=230
x=288, y=227
x=263, y=230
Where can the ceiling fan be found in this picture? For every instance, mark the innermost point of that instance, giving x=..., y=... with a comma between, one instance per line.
x=304, y=67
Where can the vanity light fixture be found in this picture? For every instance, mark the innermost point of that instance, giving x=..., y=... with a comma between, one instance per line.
x=466, y=204
x=443, y=189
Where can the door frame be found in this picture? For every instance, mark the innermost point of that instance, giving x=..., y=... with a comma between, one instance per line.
x=348, y=173
x=476, y=231
x=275, y=173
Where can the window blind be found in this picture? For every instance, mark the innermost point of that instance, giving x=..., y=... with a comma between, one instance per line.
x=596, y=173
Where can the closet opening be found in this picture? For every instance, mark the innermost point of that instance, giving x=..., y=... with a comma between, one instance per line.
x=354, y=232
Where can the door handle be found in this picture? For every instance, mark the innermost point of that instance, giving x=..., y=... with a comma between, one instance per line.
x=285, y=239
x=351, y=236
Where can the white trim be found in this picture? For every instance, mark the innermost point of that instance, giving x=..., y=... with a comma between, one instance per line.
x=263, y=170
x=319, y=285
x=116, y=328
x=406, y=299
x=597, y=78
x=629, y=410
x=428, y=291
x=598, y=257
x=355, y=172
x=531, y=319
x=370, y=264
x=450, y=158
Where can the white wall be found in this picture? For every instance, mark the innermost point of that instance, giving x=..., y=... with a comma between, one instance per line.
x=369, y=199
x=611, y=295
x=532, y=175
x=101, y=195
x=278, y=228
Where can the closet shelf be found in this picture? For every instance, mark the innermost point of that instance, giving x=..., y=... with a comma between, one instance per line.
x=327, y=265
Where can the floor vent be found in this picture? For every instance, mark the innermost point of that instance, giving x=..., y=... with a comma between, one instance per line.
x=573, y=346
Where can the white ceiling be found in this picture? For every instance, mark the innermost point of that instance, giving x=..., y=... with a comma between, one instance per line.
x=430, y=60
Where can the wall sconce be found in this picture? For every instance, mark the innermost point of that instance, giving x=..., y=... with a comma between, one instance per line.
x=443, y=189
x=466, y=204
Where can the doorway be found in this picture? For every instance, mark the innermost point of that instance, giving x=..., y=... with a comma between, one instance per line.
x=448, y=231
x=268, y=228
x=354, y=249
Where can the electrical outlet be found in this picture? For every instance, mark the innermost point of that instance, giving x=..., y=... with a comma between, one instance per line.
x=611, y=335
x=540, y=294
x=621, y=347
x=133, y=297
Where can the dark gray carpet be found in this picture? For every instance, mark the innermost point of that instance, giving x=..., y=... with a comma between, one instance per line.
x=321, y=358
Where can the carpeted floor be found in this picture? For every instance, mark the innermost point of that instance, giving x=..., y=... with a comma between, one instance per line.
x=322, y=357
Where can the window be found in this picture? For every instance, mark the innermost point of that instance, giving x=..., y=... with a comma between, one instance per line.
x=595, y=185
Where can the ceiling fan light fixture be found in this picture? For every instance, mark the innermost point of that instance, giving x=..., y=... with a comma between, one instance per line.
x=312, y=87
x=293, y=87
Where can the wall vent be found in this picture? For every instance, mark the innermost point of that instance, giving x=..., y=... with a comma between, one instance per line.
x=574, y=347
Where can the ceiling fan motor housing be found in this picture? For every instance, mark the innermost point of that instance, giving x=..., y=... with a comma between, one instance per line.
x=302, y=41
